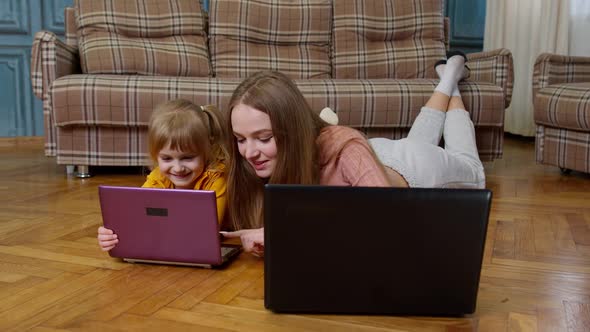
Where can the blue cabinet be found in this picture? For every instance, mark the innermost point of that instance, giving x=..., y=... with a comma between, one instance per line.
x=467, y=24
x=21, y=114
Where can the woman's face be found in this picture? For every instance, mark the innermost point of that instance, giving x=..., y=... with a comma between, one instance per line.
x=253, y=133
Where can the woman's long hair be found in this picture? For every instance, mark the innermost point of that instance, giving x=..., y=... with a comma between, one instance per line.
x=295, y=129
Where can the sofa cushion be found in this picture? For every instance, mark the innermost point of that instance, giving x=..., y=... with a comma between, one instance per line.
x=387, y=39
x=128, y=100
x=115, y=109
x=564, y=105
x=292, y=37
x=142, y=37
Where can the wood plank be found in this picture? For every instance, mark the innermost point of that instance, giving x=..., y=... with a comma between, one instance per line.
x=579, y=228
x=171, y=293
x=53, y=277
x=125, y=292
x=525, y=323
x=577, y=316
x=504, y=240
x=551, y=320
x=236, y=285
x=241, y=319
x=22, y=315
x=211, y=284
x=71, y=259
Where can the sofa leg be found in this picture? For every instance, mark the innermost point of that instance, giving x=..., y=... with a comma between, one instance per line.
x=565, y=171
x=83, y=171
x=70, y=170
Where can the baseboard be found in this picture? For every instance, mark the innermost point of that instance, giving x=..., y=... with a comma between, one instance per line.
x=22, y=141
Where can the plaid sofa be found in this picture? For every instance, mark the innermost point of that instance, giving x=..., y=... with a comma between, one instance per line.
x=561, y=98
x=369, y=60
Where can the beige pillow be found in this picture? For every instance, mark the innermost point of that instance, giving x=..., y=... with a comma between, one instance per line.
x=148, y=37
x=387, y=39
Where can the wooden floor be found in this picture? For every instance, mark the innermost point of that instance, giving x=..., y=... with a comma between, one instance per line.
x=536, y=273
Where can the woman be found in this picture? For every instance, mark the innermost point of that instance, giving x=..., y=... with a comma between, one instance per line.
x=277, y=138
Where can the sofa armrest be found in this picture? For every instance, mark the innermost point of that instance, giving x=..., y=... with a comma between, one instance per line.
x=50, y=60
x=495, y=67
x=554, y=69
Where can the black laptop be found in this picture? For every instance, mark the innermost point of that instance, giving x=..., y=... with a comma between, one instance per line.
x=358, y=250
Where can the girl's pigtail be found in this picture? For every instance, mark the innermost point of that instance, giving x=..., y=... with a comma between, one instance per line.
x=217, y=133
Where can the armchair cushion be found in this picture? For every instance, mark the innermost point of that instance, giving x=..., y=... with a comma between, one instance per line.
x=249, y=36
x=142, y=37
x=564, y=105
x=387, y=39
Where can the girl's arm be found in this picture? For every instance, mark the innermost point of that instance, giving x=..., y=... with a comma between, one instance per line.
x=107, y=240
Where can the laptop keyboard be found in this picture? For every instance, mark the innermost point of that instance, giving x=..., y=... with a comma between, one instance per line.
x=225, y=250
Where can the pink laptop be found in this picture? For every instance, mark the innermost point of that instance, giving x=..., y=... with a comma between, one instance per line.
x=166, y=226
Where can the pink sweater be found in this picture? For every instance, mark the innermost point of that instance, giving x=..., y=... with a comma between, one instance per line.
x=346, y=159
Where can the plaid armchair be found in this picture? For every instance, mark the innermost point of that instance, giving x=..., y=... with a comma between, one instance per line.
x=561, y=98
x=369, y=60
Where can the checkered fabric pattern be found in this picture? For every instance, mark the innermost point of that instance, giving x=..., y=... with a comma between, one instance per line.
x=561, y=98
x=116, y=108
x=142, y=37
x=288, y=36
x=50, y=59
x=101, y=119
x=495, y=67
x=387, y=39
x=568, y=149
x=70, y=32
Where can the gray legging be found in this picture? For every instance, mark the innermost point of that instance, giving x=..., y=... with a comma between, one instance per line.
x=423, y=163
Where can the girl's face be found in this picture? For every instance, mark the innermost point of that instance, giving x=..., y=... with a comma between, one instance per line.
x=253, y=133
x=181, y=168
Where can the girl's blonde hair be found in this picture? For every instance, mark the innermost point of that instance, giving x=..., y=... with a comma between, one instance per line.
x=188, y=127
x=295, y=128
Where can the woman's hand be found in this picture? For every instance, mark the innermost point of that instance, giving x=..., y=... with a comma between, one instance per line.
x=252, y=240
x=107, y=240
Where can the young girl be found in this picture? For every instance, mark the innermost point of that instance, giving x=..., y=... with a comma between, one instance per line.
x=279, y=139
x=187, y=147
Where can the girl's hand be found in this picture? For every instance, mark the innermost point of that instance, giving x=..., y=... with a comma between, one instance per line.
x=107, y=240
x=252, y=240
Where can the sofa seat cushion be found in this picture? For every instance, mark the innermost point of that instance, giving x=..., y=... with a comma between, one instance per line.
x=387, y=39
x=291, y=37
x=127, y=101
x=142, y=37
x=564, y=105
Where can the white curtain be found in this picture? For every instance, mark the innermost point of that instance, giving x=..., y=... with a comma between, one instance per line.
x=579, y=27
x=527, y=28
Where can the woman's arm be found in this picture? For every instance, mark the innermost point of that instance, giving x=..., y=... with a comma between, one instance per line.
x=252, y=240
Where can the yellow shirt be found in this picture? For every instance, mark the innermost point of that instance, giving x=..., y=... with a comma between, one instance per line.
x=213, y=178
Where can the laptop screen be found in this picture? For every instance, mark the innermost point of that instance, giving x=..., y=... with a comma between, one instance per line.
x=373, y=250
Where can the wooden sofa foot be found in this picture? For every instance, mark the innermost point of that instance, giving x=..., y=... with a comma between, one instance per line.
x=565, y=171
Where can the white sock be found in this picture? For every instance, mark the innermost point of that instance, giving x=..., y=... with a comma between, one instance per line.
x=453, y=73
x=440, y=69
